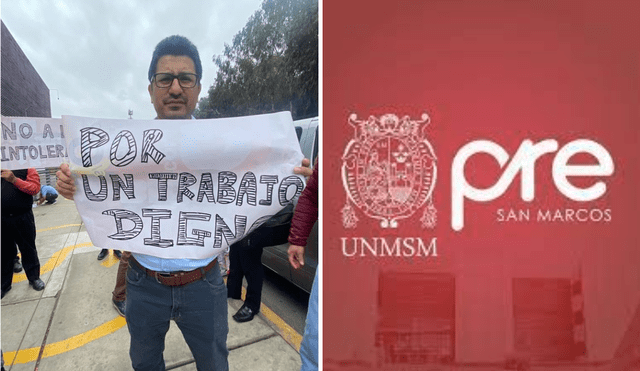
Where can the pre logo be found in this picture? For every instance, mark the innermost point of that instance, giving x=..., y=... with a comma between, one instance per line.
x=389, y=171
x=524, y=162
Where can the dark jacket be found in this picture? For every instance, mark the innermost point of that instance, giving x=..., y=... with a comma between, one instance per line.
x=18, y=198
x=306, y=212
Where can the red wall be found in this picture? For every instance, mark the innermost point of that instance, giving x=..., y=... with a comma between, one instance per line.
x=504, y=71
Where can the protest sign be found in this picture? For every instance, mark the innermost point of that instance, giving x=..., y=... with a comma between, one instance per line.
x=181, y=188
x=32, y=142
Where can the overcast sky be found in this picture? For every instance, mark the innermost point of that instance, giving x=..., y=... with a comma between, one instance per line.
x=95, y=54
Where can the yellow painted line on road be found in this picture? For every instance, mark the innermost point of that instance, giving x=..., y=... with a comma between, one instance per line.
x=290, y=335
x=53, y=262
x=31, y=354
x=74, y=342
x=57, y=227
x=287, y=332
x=110, y=261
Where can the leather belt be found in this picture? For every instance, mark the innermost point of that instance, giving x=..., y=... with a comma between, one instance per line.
x=180, y=278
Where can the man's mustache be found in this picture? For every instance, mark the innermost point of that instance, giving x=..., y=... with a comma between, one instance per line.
x=174, y=100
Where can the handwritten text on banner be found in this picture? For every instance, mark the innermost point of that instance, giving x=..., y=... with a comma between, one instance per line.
x=32, y=142
x=181, y=188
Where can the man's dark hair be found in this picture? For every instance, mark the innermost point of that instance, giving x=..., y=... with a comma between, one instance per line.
x=175, y=45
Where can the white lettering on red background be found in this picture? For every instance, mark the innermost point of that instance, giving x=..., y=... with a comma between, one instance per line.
x=524, y=162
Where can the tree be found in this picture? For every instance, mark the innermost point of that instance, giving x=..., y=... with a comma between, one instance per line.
x=271, y=65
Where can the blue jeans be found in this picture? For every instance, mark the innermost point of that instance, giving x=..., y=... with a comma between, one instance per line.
x=199, y=309
x=309, y=345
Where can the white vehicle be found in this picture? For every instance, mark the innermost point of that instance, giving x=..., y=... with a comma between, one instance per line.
x=275, y=255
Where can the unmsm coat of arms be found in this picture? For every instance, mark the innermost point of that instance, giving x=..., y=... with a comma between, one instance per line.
x=389, y=171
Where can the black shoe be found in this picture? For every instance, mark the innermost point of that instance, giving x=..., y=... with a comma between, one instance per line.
x=117, y=253
x=103, y=254
x=244, y=314
x=17, y=267
x=37, y=284
x=120, y=306
x=4, y=292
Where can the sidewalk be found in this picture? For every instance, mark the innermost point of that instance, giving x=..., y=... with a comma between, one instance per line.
x=72, y=324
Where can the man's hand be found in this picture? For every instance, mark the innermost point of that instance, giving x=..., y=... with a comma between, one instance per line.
x=304, y=169
x=296, y=256
x=8, y=176
x=65, y=184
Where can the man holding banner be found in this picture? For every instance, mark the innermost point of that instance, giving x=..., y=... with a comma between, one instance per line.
x=172, y=284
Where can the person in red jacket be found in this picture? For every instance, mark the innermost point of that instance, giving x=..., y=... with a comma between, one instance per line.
x=19, y=226
x=304, y=217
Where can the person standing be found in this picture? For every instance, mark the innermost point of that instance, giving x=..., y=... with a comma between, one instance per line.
x=189, y=291
x=152, y=283
x=245, y=260
x=304, y=217
x=119, y=294
x=19, y=227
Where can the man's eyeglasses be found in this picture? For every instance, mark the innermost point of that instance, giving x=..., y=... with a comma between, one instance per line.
x=186, y=80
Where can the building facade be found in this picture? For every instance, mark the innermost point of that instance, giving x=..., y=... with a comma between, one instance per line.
x=24, y=93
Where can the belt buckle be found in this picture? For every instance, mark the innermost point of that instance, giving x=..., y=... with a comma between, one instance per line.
x=164, y=275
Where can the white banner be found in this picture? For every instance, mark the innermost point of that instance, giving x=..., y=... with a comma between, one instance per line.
x=181, y=188
x=32, y=142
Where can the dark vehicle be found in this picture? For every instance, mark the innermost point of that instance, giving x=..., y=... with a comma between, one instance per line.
x=275, y=256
